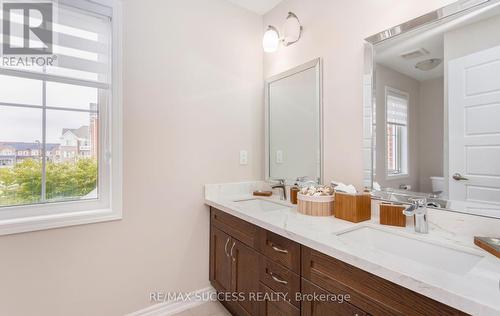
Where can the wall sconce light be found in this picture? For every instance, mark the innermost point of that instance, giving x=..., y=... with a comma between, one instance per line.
x=292, y=32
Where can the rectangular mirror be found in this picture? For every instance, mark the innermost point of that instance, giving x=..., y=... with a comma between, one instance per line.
x=432, y=109
x=294, y=124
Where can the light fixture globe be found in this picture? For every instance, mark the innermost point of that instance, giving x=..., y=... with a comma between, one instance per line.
x=271, y=40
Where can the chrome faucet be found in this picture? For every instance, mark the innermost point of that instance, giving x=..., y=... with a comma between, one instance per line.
x=418, y=208
x=305, y=182
x=281, y=185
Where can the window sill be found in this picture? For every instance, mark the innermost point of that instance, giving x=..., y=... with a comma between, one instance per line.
x=36, y=223
x=397, y=176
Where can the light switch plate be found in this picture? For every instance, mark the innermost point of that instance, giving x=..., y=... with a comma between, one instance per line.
x=243, y=157
x=279, y=156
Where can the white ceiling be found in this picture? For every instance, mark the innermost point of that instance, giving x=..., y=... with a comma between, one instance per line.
x=392, y=57
x=431, y=38
x=258, y=6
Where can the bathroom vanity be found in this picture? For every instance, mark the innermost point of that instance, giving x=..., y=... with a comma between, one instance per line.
x=245, y=258
x=415, y=146
x=265, y=246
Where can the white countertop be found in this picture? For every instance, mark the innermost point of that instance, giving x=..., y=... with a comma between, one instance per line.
x=476, y=292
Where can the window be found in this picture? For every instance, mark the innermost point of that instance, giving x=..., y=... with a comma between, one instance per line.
x=62, y=124
x=396, y=132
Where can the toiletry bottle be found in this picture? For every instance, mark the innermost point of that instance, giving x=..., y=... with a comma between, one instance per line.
x=293, y=193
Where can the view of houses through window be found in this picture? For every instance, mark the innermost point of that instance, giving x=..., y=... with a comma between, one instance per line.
x=63, y=129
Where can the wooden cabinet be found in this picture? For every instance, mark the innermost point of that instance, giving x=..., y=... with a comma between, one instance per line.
x=235, y=227
x=280, y=249
x=369, y=292
x=279, y=279
x=269, y=270
x=220, y=261
x=234, y=269
x=245, y=275
x=331, y=305
x=274, y=304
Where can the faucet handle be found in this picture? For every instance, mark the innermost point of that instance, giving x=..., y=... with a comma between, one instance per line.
x=280, y=181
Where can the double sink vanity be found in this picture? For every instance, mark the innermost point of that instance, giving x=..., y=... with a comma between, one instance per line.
x=422, y=80
x=263, y=245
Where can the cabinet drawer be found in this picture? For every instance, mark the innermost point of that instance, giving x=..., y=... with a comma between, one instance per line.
x=235, y=227
x=280, y=249
x=279, y=279
x=311, y=307
x=275, y=306
x=369, y=292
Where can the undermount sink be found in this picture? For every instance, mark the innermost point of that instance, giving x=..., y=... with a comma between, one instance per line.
x=429, y=254
x=260, y=205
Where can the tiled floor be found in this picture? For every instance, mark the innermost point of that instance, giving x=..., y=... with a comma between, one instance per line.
x=207, y=309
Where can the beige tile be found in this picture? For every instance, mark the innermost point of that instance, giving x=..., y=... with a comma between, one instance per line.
x=204, y=309
x=222, y=310
x=222, y=313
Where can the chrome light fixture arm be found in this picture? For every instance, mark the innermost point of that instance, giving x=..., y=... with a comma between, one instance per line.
x=301, y=28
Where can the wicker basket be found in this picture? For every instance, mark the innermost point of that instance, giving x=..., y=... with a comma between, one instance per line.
x=315, y=205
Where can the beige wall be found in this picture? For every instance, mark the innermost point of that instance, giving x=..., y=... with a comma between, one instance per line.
x=334, y=31
x=193, y=97
x=430, y=132
x=426, y=118
x=478, y=36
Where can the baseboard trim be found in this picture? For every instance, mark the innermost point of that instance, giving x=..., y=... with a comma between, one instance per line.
x=170, y=308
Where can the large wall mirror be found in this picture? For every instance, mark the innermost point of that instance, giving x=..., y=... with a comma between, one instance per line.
x=432, y=109
x=294, y=124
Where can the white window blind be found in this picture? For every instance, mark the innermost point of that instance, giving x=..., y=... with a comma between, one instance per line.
x=396, y=132
x=397, y=109
x=81, y=44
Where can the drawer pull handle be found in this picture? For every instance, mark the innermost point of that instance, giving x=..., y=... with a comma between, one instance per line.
x=279, y=249
x=225, y=247
x=234, y=259
x=275, y=278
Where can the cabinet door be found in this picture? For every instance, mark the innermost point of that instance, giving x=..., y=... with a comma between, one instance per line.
x=220, y=262
x=245, y=274
x=274, y=305
x=312, y=306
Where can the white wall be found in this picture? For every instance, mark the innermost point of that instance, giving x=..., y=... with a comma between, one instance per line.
x=335, y=30
x=193, y=97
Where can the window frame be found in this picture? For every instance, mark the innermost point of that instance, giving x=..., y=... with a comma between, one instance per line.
x=389, y=91
x=108, y=206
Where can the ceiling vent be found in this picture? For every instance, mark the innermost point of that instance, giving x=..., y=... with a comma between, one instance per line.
x=415, y=54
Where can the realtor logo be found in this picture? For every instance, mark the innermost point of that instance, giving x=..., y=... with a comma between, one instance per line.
x=27, y=28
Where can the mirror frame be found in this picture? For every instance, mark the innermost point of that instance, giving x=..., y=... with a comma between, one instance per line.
x=316, y=64
x=453, y=10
